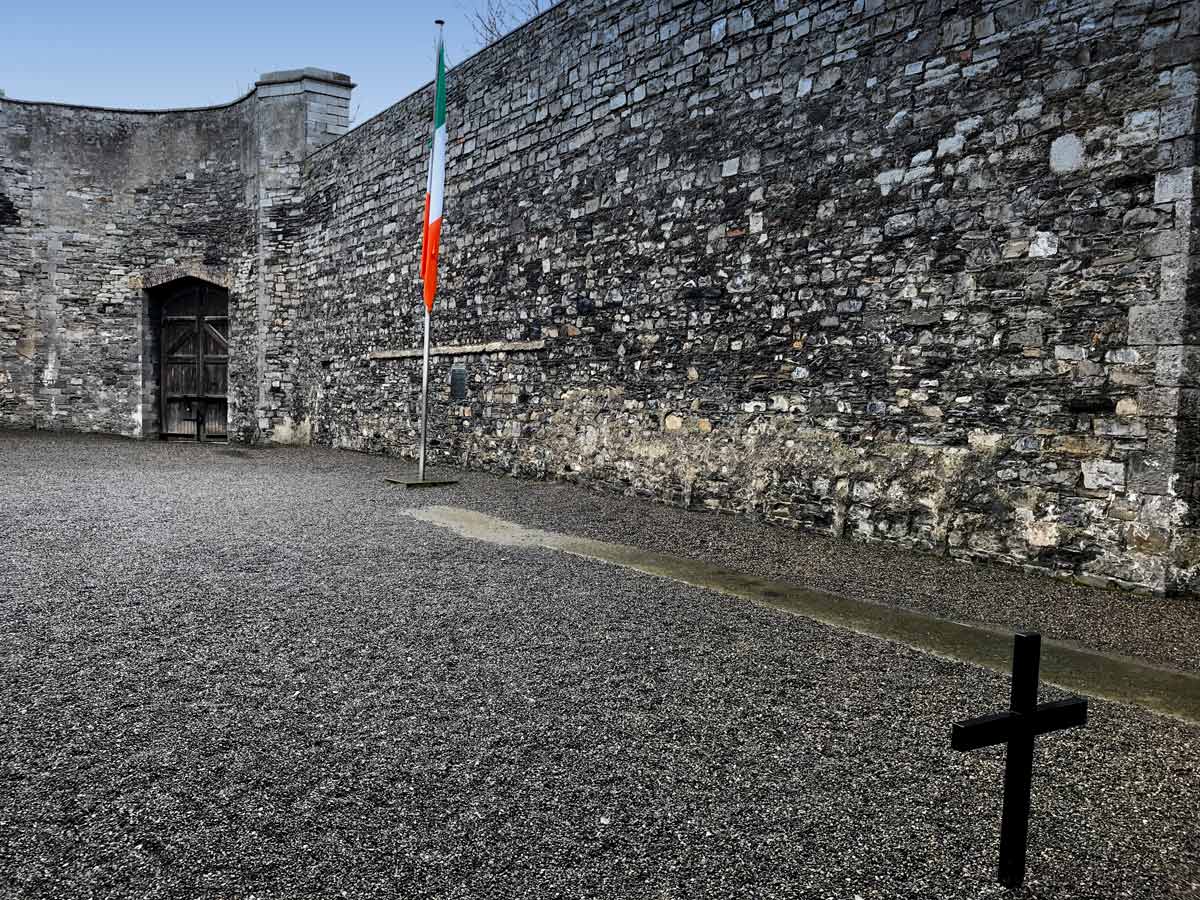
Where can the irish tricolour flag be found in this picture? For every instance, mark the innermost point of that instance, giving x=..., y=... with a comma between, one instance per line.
x=435, y=189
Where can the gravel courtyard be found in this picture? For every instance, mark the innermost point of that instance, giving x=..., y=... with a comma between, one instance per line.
x=236, y=673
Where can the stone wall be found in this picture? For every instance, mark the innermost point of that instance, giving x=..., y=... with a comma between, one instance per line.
x=95, y=199
x=900, y=271
x=914, y=272
x=98, y=207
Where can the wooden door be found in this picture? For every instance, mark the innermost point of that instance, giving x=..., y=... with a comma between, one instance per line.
x=195, y=363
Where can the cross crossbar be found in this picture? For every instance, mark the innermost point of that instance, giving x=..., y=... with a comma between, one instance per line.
x=1001, y=727
x=1060, y=715
x=983, y=731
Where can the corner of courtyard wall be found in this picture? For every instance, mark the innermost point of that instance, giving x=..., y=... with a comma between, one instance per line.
x=1177, y=370
x=297, y=112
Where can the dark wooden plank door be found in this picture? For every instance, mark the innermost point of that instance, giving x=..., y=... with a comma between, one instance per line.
x=195, y=363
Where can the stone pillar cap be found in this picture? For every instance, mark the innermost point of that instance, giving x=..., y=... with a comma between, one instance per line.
x=286, y=75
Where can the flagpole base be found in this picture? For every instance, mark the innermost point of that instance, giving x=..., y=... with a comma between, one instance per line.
x=421, y=482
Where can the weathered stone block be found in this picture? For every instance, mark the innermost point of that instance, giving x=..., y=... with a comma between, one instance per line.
x=1103, y=474
x=1154, y=323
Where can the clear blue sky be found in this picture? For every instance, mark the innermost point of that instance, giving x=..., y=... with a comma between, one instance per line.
x=166, y=53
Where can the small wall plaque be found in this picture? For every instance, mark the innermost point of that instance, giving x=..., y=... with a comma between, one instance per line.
x=458, y=383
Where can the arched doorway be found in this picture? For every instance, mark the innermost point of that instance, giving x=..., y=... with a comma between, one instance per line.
x=194, y=347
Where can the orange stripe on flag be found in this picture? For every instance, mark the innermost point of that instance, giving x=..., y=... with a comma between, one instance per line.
x=431, y=263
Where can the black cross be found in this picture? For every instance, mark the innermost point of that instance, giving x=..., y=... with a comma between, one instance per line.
x=1024, y=721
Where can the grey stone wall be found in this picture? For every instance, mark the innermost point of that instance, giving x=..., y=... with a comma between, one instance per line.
x=93, y=200
x=97, y=207
x=910, y=272
x=914, y=272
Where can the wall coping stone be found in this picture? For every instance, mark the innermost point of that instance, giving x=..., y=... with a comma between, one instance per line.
x=283, y=76
x=58, y=104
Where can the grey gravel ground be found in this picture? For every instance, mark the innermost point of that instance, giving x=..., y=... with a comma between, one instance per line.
x=232, y=673
x=1158, y=629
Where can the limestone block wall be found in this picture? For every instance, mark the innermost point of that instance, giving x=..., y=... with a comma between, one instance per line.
x=99, y=206
x=95, y=200
x=912, y=272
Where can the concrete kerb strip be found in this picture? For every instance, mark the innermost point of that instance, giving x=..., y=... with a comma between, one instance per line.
x=1109, y=676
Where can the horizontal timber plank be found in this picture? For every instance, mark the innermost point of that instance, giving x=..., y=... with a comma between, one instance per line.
x=460, y=349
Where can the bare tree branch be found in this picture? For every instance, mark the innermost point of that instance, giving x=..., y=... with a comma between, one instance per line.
x=493, y=19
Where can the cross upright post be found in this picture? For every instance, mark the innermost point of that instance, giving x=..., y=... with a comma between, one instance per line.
x=1018, y=727
x=1018, y=766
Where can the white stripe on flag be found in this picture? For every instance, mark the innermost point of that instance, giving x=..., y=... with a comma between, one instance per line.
x=437, y=174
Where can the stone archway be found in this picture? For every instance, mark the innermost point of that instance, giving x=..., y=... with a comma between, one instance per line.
x=159, y=276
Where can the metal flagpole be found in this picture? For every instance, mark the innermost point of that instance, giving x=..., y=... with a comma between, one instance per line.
x=428, y=268
x=425, y=355
x=438, y=97
x=424, y=400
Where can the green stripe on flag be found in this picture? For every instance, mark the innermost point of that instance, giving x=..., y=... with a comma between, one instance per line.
x=439, y=103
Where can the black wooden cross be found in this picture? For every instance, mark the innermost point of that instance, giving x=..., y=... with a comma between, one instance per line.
x=1024, y=721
